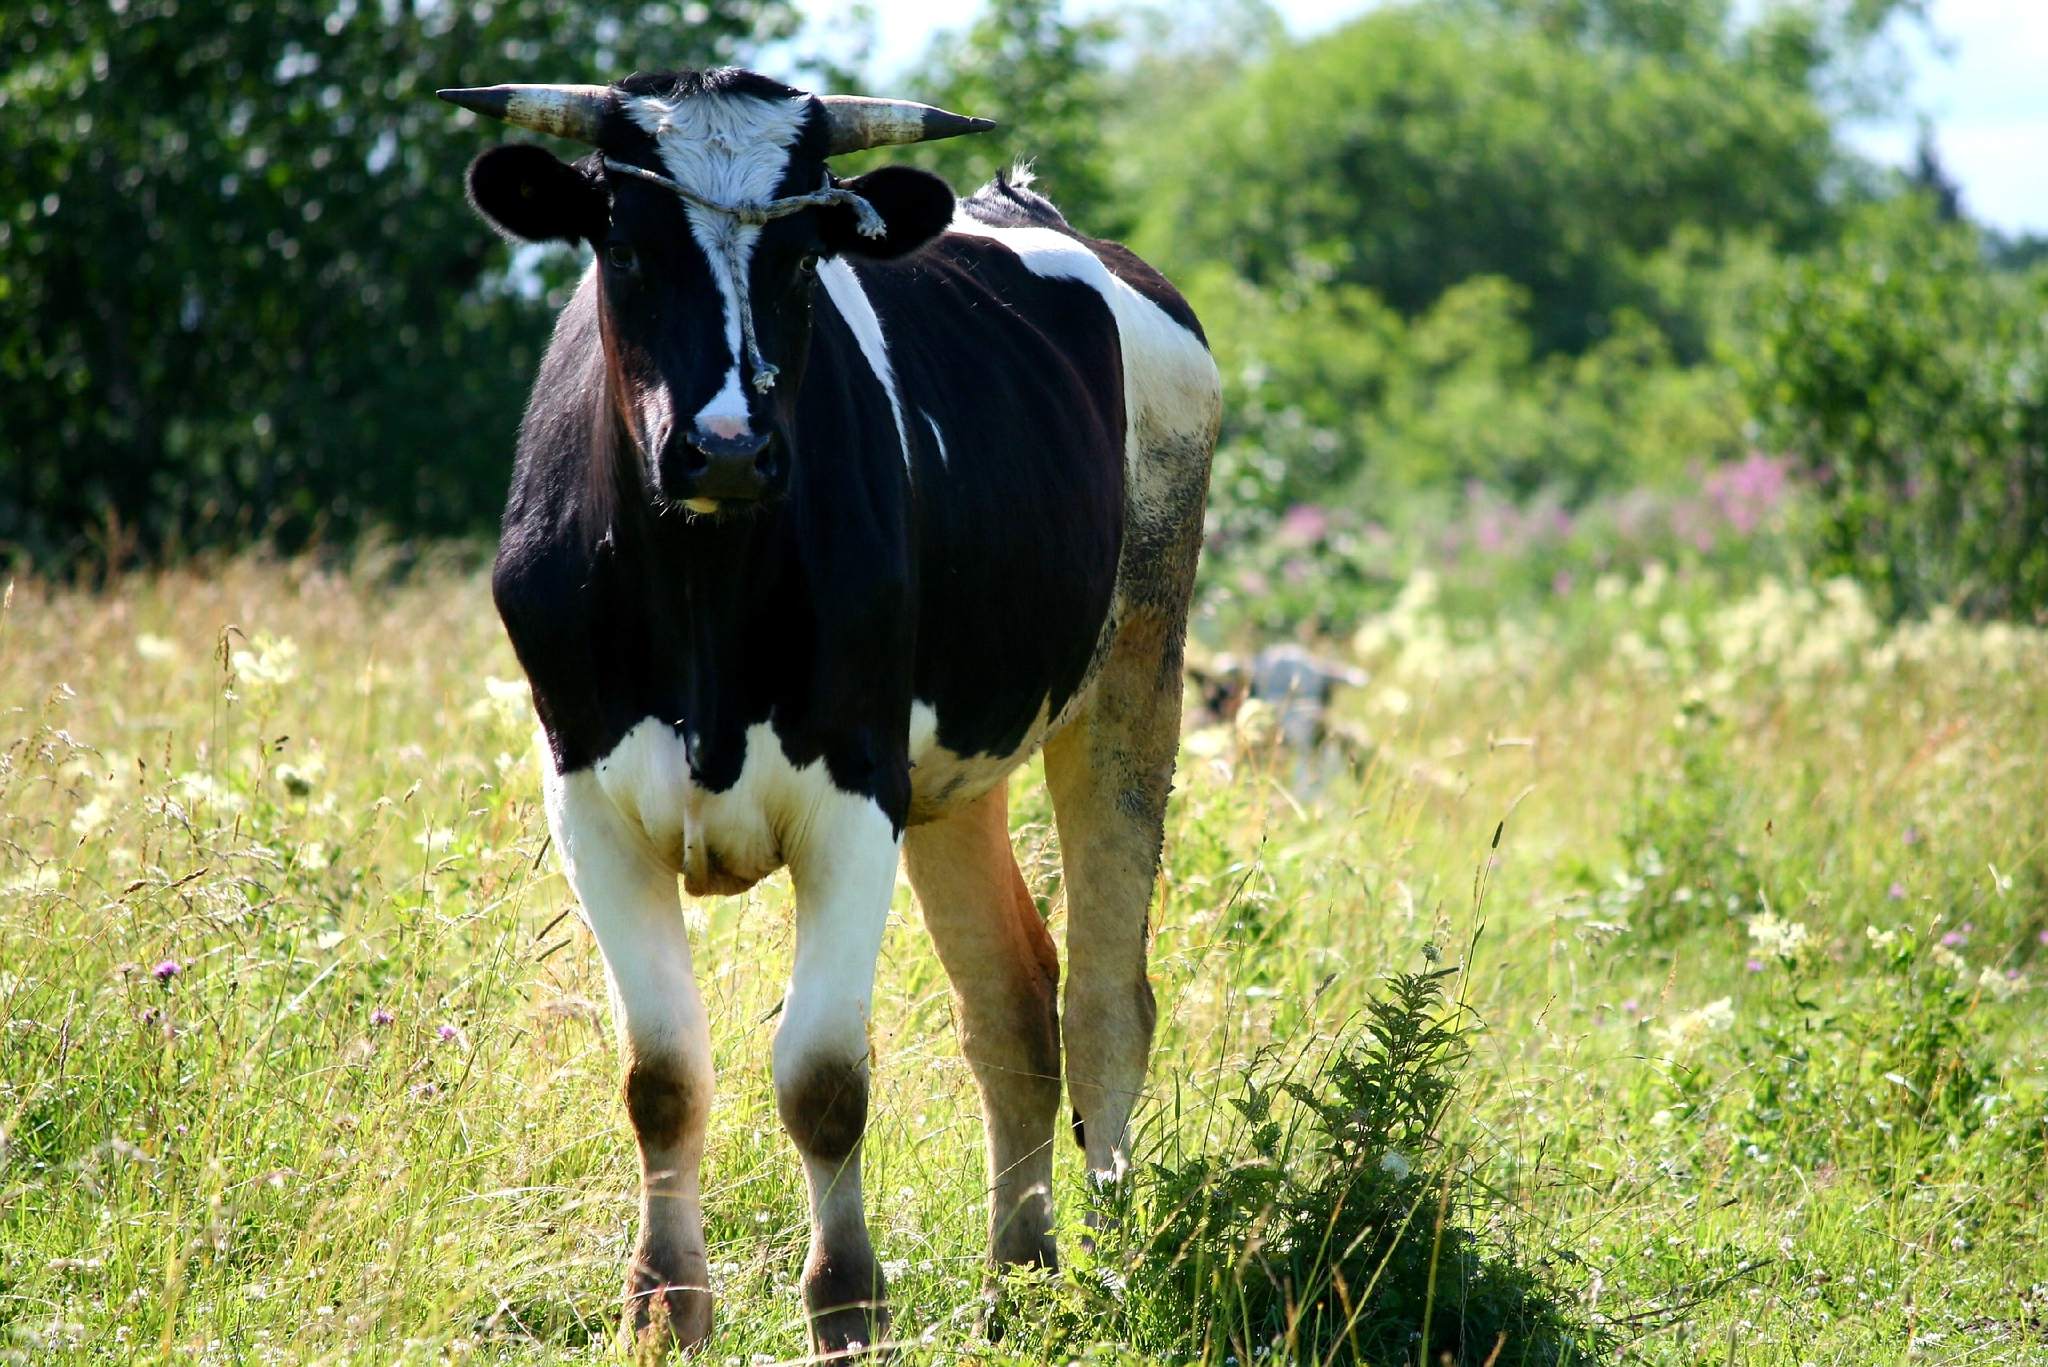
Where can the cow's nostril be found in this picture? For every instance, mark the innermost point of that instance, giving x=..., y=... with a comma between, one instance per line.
x=695, y=461
x=765, y=464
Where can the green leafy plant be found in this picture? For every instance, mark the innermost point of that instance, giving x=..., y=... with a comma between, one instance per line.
x=1333, y=1221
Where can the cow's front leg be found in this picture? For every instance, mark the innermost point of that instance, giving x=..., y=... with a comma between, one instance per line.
x=629, y=900
x=842, y=860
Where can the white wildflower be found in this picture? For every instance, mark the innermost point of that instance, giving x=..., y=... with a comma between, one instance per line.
x=2000, y=986
x=156, y=649
x=1775, y=935
x=1689, y=1028
x=270, y=662
x=92, y=815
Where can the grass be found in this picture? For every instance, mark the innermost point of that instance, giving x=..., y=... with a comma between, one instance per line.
x=301, y=1060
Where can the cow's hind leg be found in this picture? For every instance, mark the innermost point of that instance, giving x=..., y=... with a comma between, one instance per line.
x=1005, y=977
x=1110, y=769
x=629, y=900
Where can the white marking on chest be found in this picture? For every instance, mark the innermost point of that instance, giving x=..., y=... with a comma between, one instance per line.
x=720, y=842
x=732, y=149
x=844, y=288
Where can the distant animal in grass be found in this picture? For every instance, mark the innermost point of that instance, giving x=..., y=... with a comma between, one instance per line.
x=1291, y=691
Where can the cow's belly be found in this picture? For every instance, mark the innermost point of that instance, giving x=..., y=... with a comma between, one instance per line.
x=942, y=781
x=723, y=842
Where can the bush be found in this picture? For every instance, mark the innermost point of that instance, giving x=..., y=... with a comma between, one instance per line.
x=1329, y=1225
x=1912, y=382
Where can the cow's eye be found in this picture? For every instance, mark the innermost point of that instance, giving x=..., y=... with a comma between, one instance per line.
x=620, y=256
x=809, y=265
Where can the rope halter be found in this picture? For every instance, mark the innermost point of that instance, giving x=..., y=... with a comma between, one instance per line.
x=866, y=220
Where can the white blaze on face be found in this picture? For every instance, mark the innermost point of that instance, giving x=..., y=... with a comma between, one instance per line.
x=731, y=149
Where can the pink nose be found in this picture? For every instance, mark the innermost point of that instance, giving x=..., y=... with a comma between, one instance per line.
x=723, y=427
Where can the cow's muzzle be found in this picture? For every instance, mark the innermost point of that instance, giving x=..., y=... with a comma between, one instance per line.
x=707, y=468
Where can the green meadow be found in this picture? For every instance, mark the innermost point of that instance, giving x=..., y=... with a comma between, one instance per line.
x=1653, y=975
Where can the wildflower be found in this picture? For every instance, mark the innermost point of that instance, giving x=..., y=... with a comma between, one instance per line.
x=448, y=1034
x=1692, y=1026
x=508, y=702
x=1896, y=892
x=1755, y=965
x=1775, y=935
x=1303, y=525
x=435, y=839
x=1956, y=939
x=272, y=662
x=1395, y=1166
x=1880, y=939
x=92, y=815
x=382, y=1016
x=426, y=1091
x=155, y=649
x=2001, y=986
x=167, y=970
x=1632, y=1006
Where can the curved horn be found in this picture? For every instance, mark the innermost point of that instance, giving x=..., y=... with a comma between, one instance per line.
x=567, y=111
x=858, y=121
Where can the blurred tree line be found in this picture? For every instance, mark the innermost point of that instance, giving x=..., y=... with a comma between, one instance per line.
x=240, y=292
x=1551, y=248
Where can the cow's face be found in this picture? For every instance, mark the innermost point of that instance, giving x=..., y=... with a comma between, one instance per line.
x=681, y=283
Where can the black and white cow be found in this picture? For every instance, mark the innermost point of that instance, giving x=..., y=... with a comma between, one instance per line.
x=834, y=502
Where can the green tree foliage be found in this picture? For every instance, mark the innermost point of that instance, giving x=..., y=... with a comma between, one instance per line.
x=1913, y=382
x=239, y=288
x=1423, y=146
x=1044, y=78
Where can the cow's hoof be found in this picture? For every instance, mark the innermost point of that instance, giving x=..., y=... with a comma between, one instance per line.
x=667, y=1311
x=848, y=1310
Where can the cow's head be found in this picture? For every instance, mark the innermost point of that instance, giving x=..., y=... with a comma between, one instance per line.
x=710, y=207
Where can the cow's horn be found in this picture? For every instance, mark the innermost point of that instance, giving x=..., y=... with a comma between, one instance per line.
x=858, y=121
x=567, y=111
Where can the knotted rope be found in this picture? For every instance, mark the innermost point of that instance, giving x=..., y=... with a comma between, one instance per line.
x=866, y=220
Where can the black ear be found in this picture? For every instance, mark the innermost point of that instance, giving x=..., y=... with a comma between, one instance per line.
x=915, y=206
x=528, y=193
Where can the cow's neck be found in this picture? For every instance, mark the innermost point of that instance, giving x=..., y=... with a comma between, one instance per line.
x=708, y=587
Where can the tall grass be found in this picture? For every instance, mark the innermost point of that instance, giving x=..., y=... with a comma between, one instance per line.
x=301, y=1060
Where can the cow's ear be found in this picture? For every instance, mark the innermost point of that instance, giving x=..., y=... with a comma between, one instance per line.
x=530, y=194
x=915, y=207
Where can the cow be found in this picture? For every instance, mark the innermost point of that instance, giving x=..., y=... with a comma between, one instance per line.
x=834, y=502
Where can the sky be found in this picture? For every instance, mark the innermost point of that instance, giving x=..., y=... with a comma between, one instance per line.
x=1984, y=86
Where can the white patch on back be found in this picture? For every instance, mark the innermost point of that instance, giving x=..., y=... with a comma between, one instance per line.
x=844, y=288
x=1171, y=386
x=1170, y=378
x=731, y=149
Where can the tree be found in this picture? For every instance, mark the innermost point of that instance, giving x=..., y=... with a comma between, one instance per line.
x=1043, y=78
x=239, y=288
x=1422, y=146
